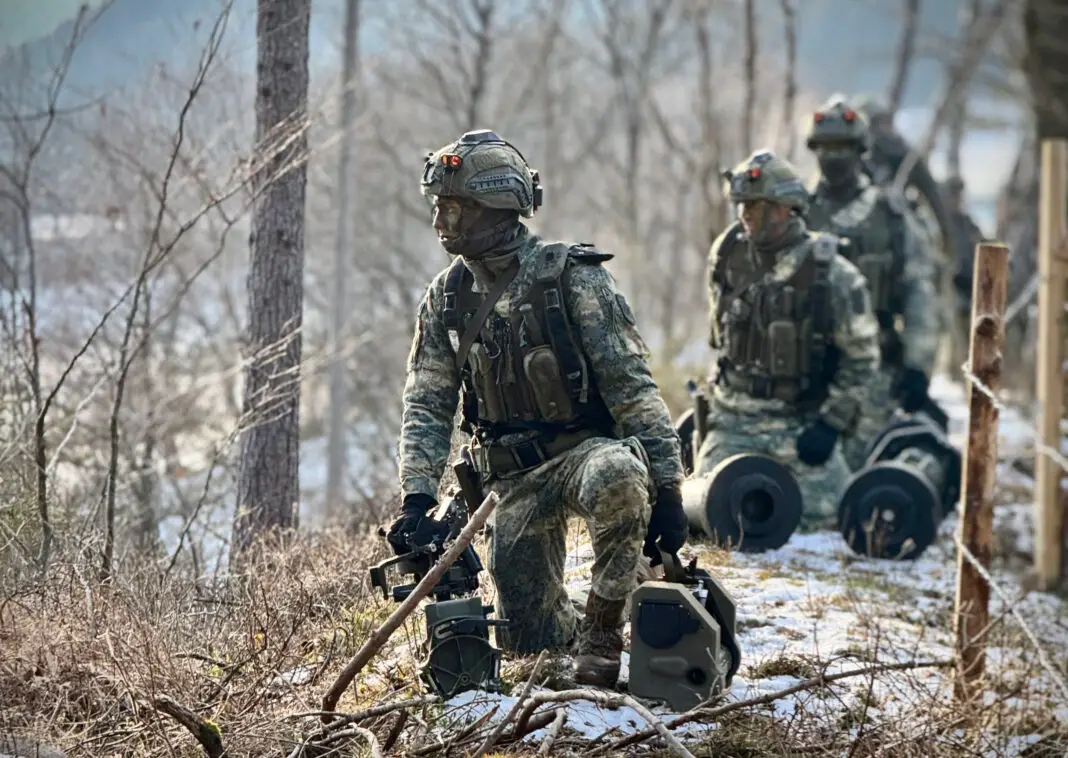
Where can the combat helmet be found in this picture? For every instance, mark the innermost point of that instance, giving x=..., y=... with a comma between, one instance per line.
x=482, y=167
x=766, y=176
x=837, y=122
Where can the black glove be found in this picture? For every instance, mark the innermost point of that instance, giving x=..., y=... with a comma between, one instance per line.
x=412, y=525
x=816, y=443
x=667, y=524
x=910, y=389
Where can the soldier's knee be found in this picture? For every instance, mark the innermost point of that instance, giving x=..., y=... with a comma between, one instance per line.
x=617, y=479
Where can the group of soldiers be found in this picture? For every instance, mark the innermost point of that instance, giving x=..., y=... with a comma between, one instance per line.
x=824, y=318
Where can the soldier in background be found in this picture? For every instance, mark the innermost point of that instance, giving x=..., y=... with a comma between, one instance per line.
x=796, y=338
x=887, y=249
x=544, y=355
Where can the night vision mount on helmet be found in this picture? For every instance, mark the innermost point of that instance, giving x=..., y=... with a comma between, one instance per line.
x=766, y=176
x=484, y=168
x=836, y=122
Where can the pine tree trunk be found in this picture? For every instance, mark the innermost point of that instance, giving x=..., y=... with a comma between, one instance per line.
x=269, y=487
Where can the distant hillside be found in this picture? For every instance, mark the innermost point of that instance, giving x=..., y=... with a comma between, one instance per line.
x=843, y=45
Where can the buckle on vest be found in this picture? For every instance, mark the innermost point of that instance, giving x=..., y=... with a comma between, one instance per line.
x=529, y=454
x=552, y=297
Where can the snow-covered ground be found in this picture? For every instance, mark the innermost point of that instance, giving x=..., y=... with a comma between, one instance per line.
x=813, y=603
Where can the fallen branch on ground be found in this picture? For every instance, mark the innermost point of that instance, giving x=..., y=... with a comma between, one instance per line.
x=205, y=732
x=496, y=733
x=703, y=712
x=343, y=719
x=381, y=634
x=554, y=732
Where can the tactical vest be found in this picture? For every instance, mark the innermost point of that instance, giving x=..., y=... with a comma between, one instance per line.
x=775, y=338
x=876, y=247
x=526, y=371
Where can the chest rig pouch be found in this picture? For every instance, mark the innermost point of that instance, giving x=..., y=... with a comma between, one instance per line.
x=774, y=336
x=525, y=369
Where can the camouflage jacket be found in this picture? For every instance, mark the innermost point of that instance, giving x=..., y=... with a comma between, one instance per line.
x=874, y=220
x=855, y=331
x=612, y=346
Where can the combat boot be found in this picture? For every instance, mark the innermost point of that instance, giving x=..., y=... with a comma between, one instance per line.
x=600, y=642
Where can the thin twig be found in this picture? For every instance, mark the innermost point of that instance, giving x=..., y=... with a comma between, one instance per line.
x=499, y=730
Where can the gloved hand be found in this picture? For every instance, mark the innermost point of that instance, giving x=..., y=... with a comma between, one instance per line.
x=910, y=389
x=667, y=524
x=816, y=443
x=412, y=524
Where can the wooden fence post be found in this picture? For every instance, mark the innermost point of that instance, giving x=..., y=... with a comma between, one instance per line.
x=1049, y=366
x=980, y=460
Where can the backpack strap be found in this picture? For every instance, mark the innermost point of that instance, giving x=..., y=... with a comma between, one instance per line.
x=824, y=248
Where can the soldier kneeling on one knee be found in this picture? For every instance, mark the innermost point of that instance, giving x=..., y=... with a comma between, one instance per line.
x=543, y=354
x=795, y=335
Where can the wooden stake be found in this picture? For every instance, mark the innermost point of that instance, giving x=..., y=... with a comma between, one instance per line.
x=1049, y=382
x=426, y=584
x=980, y=461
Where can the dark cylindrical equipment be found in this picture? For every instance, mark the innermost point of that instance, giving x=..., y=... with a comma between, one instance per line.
x=748, y=502
x=892, y=507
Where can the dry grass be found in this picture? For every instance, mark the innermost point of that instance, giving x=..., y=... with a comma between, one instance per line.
x=82, y=664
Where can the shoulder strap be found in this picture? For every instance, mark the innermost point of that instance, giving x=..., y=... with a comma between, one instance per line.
x=725, y=244
x=824, y=248
x=473, y=326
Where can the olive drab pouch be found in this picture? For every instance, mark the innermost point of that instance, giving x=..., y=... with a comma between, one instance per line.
x=542, y=371
x=490, y=400
x=783, y=336
x=736, y=331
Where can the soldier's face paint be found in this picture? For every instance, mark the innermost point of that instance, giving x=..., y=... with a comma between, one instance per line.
x=839, y=162
x=452, y=217
x=764, y=222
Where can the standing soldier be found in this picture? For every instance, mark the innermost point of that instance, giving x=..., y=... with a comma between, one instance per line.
x=542, y=352
x=885, y=246
x=795, y=335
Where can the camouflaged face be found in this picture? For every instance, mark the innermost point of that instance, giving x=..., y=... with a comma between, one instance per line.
x=482, y=167
x=766, y=176
x=604, y=482
x=611, y=342
x=836, y=121
x=731, y=432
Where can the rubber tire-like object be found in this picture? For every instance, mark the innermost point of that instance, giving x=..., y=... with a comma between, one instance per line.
x=750, y=502
x=460, y=662
x=907, y=507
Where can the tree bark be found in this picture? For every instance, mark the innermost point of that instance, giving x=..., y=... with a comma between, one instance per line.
x=268, y=486
x=337, y=449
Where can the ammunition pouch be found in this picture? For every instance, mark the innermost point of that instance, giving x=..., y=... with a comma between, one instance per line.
x=496, y=459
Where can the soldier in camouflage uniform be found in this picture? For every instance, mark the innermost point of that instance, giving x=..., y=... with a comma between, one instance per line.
x=795, y=335
x=555, y=388
x=900, y=269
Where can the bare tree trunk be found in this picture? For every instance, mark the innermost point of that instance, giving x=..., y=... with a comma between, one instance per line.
x=789, y=18
x=959, y=117
x=268, y=483
x=483, y=10
x=337, y=449
x=905, y=52
x=750, y=75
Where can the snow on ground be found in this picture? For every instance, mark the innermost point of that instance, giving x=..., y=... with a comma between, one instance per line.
x=814, y=602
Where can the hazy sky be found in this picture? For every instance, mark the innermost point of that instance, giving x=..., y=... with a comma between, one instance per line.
x=22, y=20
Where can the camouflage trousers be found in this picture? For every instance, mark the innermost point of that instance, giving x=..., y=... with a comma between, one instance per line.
x=605, y=482
x=731, y=432
x=875, y=414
